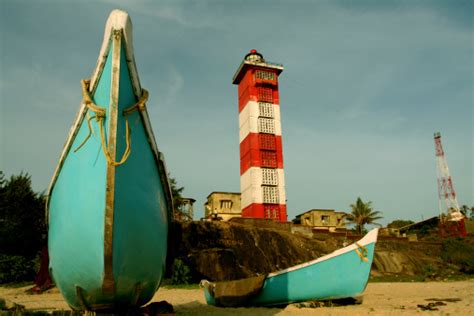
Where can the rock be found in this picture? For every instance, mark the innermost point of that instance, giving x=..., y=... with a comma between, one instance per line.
x=223, y=251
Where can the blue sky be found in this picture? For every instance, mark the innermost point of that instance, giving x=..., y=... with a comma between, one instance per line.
x=365, y=86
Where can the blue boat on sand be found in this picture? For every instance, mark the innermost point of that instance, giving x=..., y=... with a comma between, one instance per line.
x=341, y=274
x=109, y=200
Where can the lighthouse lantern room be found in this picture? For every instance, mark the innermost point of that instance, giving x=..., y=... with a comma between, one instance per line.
x=262, y=181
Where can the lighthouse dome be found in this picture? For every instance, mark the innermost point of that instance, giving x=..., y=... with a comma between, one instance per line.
x=254, y=56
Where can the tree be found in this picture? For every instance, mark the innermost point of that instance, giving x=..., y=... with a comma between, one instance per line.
x=362, y=214
x=22, y=228
x=398, y=223
x=176, y=193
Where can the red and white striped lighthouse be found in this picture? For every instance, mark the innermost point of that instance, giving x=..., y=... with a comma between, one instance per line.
x=262, y=180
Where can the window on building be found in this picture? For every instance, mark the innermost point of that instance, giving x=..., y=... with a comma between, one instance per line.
x=268, y=158
x=271, y=212
x=265, y=94
x=269, y=176
x=265, y=109
x=267, y=141
x=265, y=75
x=226, y=205
x=266, y=125
x=325, y=219
x=270, y=194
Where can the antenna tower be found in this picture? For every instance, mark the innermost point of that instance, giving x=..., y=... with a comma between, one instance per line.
x=451, y=219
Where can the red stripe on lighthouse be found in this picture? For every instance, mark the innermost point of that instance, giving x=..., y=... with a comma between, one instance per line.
x=267, y=211
x=261, y=150
x=250, y=90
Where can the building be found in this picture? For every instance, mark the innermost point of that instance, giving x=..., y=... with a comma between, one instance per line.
x=322, y=219
x=424, y=227
x=184, y=211
x=222, y=206
x=262, y=181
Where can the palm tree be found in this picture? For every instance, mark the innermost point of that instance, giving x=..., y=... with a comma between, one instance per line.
x=464, y=210
x=362, y=213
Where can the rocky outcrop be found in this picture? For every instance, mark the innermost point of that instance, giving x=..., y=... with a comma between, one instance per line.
x=406, y=258
x=220, y=251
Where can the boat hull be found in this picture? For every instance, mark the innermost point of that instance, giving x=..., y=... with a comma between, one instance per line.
x=342, y=274
x=108, y=219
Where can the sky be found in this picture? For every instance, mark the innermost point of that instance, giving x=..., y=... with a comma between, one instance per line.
x=365, y=86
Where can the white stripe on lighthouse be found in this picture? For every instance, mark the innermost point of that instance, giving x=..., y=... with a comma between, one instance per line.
x=251, y=186
x=249, y=119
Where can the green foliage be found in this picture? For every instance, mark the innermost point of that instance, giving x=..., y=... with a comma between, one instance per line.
x=398, y=223
x=362, y=214
x=22, y=228
x=181, y=273
x=22, y=220
x=176, y=192
x=465, y=210
x=460, y=253
x=16, y=269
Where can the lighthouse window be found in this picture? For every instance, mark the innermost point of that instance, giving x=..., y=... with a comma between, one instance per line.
x=265, y=94
x=267, y=141
x=270, y=194
x=272, y=212
x=269, y=176
x=266, y=126
x=265, y=109
x=269, y=159
x=265, y=75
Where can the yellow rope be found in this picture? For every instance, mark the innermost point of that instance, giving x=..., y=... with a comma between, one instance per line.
x=140, y=105
x=362, y=252
x=100, y=118
x=91, y=131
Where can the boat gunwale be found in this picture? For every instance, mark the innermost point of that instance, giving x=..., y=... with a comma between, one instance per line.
x=369, y=238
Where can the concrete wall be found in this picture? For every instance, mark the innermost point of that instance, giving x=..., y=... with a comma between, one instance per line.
x=223, y=204
x=323, y=218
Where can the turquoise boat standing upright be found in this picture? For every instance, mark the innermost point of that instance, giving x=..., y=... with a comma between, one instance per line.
x=109, y=200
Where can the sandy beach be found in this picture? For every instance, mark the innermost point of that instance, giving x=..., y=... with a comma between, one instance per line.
x=449, y=298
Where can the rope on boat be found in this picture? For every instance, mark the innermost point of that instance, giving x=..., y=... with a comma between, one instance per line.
x=362, y=252
x=100, y=114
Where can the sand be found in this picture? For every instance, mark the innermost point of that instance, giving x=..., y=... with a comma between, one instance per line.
x=379, y=299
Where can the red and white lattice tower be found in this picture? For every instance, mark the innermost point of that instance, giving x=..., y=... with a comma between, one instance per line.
x=448, y=203
x=262, y=181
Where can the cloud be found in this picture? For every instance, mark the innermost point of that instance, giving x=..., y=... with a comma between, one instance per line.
x=183, y=13
x=174, y=84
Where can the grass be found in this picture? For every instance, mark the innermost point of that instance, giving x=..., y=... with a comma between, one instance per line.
x=15, y=285
x=167, y=285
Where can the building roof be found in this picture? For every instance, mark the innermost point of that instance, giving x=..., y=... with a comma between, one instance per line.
x=320, y=210
x=222, y=192
x=431, y=220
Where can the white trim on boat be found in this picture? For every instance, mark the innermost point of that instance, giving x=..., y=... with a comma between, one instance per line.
x=369, y=238
x=119, y=20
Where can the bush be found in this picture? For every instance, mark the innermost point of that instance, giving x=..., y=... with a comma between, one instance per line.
x=181, y=273
x=22, y=220
x=16, y=269
x=460, y=253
